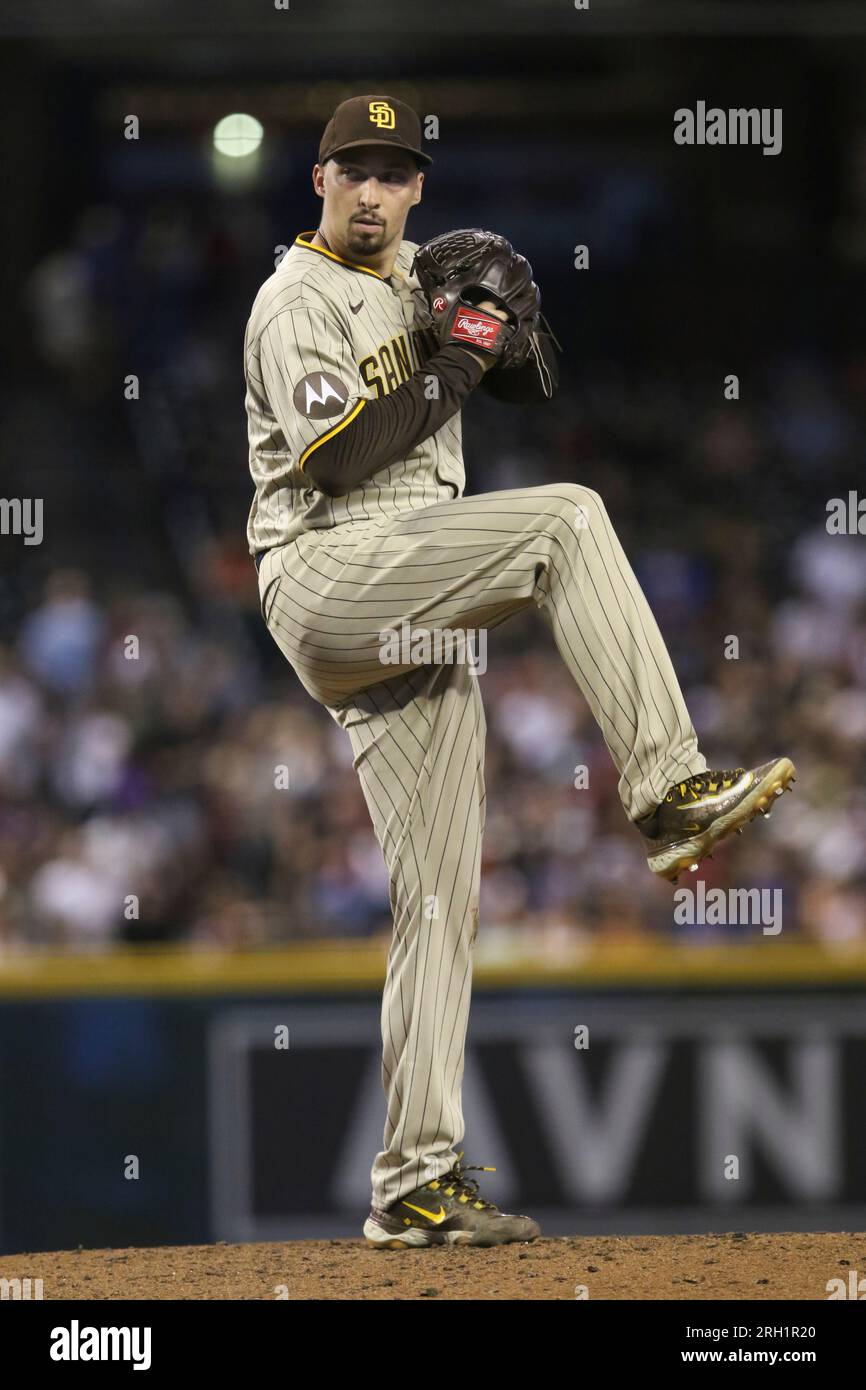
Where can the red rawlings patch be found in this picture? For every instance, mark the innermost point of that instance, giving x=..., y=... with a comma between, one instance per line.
x=440, y=303
x=470, y=326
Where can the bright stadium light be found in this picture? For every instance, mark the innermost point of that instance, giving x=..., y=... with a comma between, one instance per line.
x=237, y=135
x=236, y=154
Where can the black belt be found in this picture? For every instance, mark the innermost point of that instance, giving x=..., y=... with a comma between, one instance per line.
x=259, y=557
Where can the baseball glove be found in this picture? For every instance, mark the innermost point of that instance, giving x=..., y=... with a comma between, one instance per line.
x=458, y=270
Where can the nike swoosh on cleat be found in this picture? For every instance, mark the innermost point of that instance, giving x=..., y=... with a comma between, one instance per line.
x=435, y=1217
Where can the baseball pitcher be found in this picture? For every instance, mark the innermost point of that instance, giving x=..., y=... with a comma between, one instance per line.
x=360, y=351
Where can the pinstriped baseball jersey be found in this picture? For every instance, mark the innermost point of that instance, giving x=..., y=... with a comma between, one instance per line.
x=325, y=336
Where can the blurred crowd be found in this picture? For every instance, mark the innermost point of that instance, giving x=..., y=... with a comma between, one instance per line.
x=145, y=712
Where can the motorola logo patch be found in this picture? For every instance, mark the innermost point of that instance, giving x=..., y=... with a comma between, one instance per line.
x=319, y=395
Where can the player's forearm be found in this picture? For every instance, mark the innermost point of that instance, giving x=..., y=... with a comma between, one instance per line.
x=387, y=429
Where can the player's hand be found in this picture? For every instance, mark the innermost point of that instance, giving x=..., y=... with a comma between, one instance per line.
x=493, y=309
x=484, y=357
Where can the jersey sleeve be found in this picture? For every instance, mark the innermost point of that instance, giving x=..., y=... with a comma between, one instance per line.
x=310, y=380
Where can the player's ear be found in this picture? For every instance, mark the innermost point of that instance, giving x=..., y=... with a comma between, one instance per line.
x=319, y=179
x=419, y=182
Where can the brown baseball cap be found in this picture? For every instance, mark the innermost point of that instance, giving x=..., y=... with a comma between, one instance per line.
x=372, y=120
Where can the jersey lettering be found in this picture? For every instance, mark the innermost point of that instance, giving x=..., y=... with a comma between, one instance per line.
x=392, y=363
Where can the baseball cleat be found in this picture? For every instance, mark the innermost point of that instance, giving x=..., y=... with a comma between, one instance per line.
x=698, y=813
x=446, y=1211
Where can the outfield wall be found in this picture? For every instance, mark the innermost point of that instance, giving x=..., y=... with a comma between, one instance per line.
x=712, y=1088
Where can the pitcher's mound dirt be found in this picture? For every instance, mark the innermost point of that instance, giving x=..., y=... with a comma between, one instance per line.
x=777, y=1266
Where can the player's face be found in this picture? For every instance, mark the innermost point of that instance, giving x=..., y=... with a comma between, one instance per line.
x=368, y=192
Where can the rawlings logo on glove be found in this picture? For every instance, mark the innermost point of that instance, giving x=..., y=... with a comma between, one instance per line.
x=474, y=326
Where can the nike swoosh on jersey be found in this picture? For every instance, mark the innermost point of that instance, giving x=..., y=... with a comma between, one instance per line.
x=356, y=308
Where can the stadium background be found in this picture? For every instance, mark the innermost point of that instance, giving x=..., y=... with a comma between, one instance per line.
x=155, y=777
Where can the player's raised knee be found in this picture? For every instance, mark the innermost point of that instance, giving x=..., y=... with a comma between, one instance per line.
x=578, y=505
